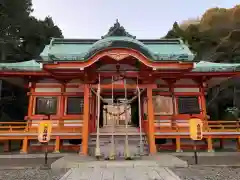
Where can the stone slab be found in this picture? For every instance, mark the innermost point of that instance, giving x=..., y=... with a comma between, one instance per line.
x=120, y=173
x=76, y=161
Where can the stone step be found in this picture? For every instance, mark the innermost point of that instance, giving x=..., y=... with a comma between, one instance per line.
x=119, y=128
x=134, y=141
x=119, y=131
x=118, y=134
x=109, y=144
x=93, y=143
x=119, y=149
x=117, y=137
x=119, y=142
x=105, y=136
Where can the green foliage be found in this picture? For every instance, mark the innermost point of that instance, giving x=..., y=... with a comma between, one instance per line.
x=22, y=36
x=214, y=37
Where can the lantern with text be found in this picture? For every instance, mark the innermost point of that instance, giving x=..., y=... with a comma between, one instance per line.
x=196, y=128
x=44, y=131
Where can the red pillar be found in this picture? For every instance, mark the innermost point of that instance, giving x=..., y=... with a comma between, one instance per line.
x=85, y=130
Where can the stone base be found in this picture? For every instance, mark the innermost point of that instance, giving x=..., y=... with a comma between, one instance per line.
x=22, y=152
x=179, y=151
x=211, y=151
x=56, y=152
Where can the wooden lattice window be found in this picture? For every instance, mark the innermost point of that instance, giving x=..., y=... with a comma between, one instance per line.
x=46, y=105
x=75, y=105
x=188, y=105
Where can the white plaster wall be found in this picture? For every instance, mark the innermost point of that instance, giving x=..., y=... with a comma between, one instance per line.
x=75, y=123
x=74, y=89
x=186, y=90
x=162, y=123
x=167, y=123
x=46, y=82
x=182, y=123
x=47, y=89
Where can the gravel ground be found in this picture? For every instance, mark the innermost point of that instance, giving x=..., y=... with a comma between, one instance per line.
x=213, y=160
x=207, y=173
x=31, y=174
x=28, y=169
x=24, y=162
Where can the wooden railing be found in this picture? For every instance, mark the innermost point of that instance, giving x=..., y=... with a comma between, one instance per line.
x=208, y=126
x=13, y=126
x=222, y=126
x=61, y=126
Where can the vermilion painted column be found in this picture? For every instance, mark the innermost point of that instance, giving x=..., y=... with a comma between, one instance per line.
x=151, y=130
x=62, y=104
x=30, y=101
x=203, y=102
x=85, y=130
x=31, y=87
x=61, y=112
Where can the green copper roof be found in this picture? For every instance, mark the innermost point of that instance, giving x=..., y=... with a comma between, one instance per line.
x=31, y=65
x=82, y=50
x=202, y=66
x=117, y=37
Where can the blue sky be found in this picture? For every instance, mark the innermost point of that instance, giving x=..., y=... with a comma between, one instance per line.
x=141, y=18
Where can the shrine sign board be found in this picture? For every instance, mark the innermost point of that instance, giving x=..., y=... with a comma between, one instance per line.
x=196, y=129
x=44, y=131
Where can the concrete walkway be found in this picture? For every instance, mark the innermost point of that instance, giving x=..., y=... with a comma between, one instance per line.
x=120, y=173
x=149, y=167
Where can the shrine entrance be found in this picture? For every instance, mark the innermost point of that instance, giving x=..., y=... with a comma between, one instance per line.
x=118, y=111
x=119, y=116
x=131, y=116
x=118, y=119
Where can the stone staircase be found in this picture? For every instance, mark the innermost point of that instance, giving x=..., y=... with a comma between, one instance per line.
x=119, y=138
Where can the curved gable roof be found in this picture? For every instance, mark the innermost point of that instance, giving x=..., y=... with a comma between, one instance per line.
x=119, y=42
x=117, y=37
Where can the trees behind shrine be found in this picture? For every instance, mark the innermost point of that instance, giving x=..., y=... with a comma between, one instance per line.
x=214, y=37
x=22, y=36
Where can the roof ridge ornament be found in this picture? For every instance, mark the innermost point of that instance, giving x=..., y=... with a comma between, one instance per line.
x=117, y=30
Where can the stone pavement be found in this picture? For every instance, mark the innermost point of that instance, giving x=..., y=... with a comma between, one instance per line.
x=120, y=173
x=76, y=161
x=149, y=167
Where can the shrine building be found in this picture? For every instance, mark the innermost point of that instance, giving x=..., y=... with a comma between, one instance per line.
x=115, y=87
